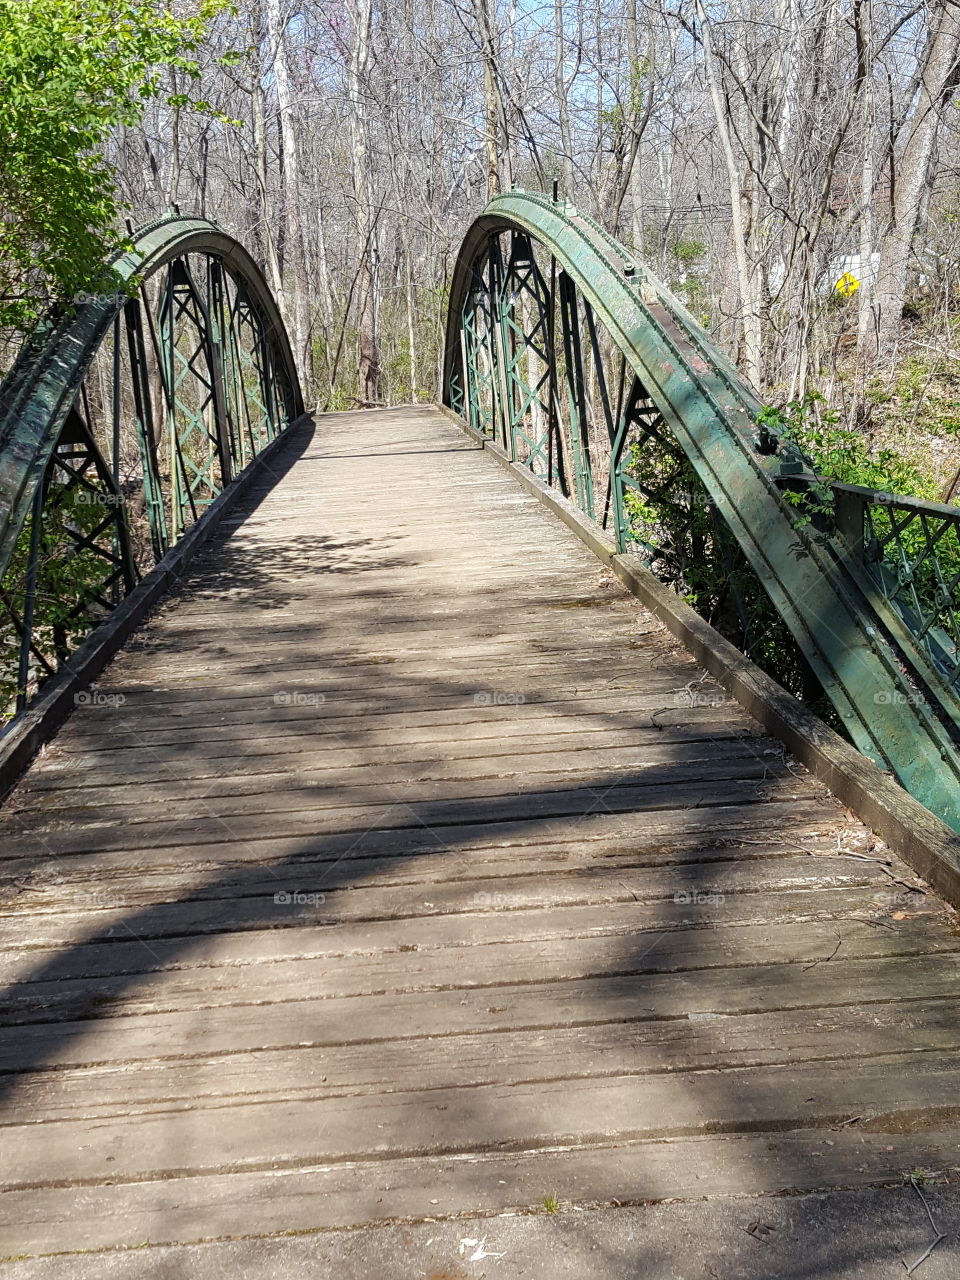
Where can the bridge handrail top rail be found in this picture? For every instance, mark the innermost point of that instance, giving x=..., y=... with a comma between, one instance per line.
x=878, y=497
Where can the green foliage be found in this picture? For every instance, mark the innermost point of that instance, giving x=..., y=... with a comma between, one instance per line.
x=840, y=454
x=613, y=121
x=639, y=74
x=617, y=118
x=687, y=252
x=685, y=541
x=72, y=71
x=925, y=389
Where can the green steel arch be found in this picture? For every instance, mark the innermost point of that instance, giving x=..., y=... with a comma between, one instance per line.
x=180, y=372
x=868, y=588
x=37, y=394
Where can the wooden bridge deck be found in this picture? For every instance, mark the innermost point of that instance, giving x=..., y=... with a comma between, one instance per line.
x=403, y=867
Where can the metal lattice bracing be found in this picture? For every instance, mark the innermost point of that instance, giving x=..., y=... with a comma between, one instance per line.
x=123, y=419
x=522, y=306
x=566, y=352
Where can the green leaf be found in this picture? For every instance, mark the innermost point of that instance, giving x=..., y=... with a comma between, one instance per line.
x=71, y=72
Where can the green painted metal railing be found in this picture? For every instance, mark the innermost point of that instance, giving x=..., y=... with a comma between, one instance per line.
x=563, y=349
x=124, y=417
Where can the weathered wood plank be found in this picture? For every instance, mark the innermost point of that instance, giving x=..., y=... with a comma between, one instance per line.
x=502, y=1056
x=409, y=703
x=209, y=821
x=130, y=881
x=144, y=766
x=350, y=926
x=351, y=769
x=348, y=764
x=547, y=1113
x=323, y=1196
x=399, y=886
x=661, y=982
x=811, y=813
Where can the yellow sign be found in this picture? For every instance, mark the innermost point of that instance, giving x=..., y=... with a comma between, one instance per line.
x=848, y=284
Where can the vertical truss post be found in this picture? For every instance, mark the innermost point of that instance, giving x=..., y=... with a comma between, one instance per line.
x=242, y=446
x=168, y=337
x=501, y=305
x=116, y=406
x=576, y=394
x=143, y=411
x=215, y=330
x=267, y=382
x=608, y=414
x=527, y=342
x=201, y=453
x=621, y=522
x=557, y=471
x=30, y=596
x=249, y=442
x=457, y=381
x=849, y=510
x=78, y=457
x=470, y=342
x=498, y=349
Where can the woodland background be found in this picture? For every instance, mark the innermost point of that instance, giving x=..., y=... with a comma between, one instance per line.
x=754, y=153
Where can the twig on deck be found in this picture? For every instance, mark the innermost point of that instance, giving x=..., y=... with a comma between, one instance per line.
x=940, y=1235
x=823, y=959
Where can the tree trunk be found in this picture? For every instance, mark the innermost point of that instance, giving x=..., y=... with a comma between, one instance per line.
x=277, y=27
x=866, y=311
x=563, y=106
x=493, y=105
x=261, y=168
x=370, y=368
x=938, y=77
x=739, y=204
